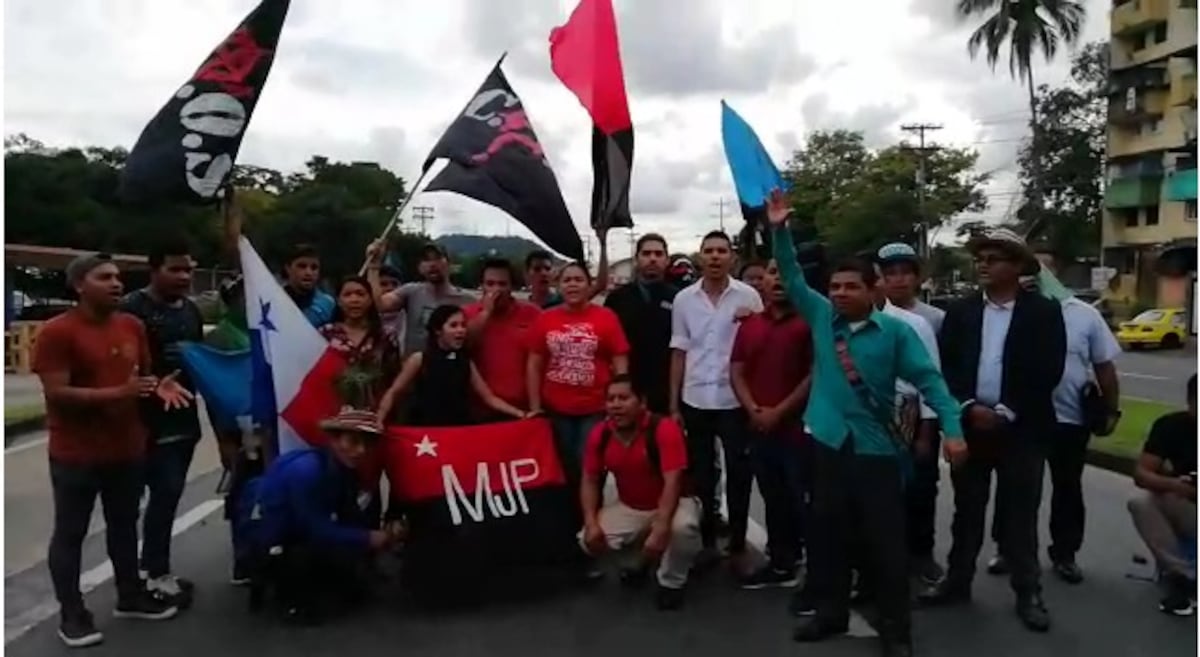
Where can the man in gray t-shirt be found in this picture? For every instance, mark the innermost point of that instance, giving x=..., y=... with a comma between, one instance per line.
x=417, y=300
x=901, y=267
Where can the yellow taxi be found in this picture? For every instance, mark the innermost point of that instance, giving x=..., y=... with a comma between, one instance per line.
x=1160, y=327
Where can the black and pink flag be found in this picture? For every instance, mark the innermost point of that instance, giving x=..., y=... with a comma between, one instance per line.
x=187, y=151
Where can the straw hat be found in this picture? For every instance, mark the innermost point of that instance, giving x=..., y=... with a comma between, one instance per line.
x=1004, y=240
x=353, y=420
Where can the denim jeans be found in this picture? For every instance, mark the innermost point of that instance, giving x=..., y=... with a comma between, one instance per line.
x=570, y=437
x=75, y=487
x=166, y=475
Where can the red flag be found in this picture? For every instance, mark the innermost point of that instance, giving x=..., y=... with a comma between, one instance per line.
x=426, y=463
x=586, y=56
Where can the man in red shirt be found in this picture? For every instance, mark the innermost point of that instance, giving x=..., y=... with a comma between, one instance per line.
x=770, y=368
x=496, y=333
x=94, y=362
x=652, y=511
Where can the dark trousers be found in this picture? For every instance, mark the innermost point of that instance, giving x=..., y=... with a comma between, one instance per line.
x=780, y=462
x=166, y=476
x=76, y=487
x=1065, y=456
x=858, y=508
x=921, y=495
x=314, y=580
x=1018, y=459
x=703, y=427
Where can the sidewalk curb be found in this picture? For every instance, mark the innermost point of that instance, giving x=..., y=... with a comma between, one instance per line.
x=1121, y=465
x=15, y=430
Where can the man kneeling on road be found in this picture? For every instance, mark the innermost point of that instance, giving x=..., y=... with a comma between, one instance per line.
x=305, y=525
x=1165, y=513
x=646, y=455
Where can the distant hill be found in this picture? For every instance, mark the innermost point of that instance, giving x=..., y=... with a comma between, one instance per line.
x=470, y=246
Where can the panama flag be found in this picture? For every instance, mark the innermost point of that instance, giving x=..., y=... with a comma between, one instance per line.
x=292, y=367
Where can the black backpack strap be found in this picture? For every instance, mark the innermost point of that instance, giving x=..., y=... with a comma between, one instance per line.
x=602, y=447
x=652, y=442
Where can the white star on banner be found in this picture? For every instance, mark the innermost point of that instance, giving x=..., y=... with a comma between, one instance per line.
x=426, y=446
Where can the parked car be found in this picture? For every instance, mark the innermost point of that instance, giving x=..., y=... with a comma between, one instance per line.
x=1095, y=300
x=1161, y=327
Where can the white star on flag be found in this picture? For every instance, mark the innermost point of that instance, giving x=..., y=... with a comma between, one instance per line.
x=426, y=446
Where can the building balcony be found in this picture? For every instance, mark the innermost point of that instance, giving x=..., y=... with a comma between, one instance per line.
x=1134, y=109
x=1181, y=185
x=1141, y=78
x=1134, y=49
x=1123, y=193
x=1138, y=15
x=1182, y=71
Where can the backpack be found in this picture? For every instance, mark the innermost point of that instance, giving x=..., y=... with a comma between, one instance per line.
x=651, y=443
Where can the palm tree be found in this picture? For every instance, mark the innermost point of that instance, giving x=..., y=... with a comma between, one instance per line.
x=1028, y=26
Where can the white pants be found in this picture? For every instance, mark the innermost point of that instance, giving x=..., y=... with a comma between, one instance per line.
x=625, y=529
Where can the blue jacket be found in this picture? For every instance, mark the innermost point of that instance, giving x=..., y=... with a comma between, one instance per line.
x=306, y=496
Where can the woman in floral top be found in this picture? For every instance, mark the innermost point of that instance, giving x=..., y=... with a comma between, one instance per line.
x=372, y=361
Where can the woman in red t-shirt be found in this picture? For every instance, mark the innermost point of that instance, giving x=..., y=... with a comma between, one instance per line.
x=574, y=350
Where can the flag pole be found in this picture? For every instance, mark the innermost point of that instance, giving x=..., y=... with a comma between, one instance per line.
x=396, y=215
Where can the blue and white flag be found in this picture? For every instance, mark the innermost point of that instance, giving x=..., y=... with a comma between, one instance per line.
x=754, y=174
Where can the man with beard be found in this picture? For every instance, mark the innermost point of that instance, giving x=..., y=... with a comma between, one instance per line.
x=302, y=273
x=1003, y=353
x=417, y=299
x=644, y=308
x=857, y=489
x=170, y=318
x=94, y=365
x=497, y=329
x=770, y=367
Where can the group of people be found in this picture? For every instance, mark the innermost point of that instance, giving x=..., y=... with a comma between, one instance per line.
x=840, y=406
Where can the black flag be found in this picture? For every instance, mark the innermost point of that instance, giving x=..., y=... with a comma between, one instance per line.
x=187, y=151
x=496, y=158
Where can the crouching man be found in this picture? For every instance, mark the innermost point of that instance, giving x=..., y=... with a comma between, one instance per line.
x=305, y=525
x=655, y=516
x=1164, y=513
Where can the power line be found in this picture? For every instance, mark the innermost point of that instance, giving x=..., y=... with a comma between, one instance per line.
x=720, y=205
x=423, y=214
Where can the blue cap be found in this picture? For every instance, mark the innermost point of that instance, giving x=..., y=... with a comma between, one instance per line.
x=896, y=251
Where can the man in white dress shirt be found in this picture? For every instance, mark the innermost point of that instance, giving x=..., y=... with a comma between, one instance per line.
x=704, y=323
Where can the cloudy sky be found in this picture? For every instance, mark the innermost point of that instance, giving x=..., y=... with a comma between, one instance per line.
x=380, y=80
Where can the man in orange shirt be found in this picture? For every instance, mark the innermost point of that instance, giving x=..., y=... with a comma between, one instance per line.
x=647, y=457
x=94, y=362
x=496, y=333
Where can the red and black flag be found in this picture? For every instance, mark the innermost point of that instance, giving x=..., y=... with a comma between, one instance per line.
x=480, y=500
x=188, y=149
x=586, y=56
x=496, y=158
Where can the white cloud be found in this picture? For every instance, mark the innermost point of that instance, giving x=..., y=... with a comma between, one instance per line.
x=381, y=79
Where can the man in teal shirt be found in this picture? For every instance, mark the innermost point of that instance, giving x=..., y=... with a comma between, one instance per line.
x=858, y=473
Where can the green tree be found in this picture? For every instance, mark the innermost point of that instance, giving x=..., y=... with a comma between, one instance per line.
x=855, y=199
x=1028, y=27
x=1069, y=157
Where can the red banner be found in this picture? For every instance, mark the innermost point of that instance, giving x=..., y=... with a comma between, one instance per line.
x=425, y=463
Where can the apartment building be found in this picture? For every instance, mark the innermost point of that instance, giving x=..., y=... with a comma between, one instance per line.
x=1149, y=225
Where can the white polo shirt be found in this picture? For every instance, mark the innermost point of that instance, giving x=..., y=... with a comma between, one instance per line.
x=706, y=332
x=1089, y=342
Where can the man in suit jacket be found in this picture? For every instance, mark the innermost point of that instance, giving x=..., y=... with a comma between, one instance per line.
x=1002, y=355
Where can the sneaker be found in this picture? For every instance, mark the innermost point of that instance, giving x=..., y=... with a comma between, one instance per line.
x=1068, y=571
x=1178, y=601
x=175, y=590
x=241, y=574
x=997, y=566
x=78, y=630
x=768, y=577
x=146, y=606
x=668, y=599
x=928, y=570
x=802, y=605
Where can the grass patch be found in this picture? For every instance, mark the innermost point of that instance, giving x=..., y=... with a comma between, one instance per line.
x=1136, y=419
x=23, y=412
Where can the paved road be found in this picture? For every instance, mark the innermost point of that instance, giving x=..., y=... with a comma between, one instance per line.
x=1157, y=375
x=1111, y=614
x=21, y=390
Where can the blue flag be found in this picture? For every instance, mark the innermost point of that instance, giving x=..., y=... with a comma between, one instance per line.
x=222, y=378
x=754, y=174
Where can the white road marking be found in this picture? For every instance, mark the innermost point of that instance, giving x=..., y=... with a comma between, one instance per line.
x=88, y=581
x=21, y=447
x=1151, y=377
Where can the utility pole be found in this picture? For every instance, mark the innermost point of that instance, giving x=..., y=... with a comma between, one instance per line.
x=922, y=153
x=721, y=212
x=423, y=214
